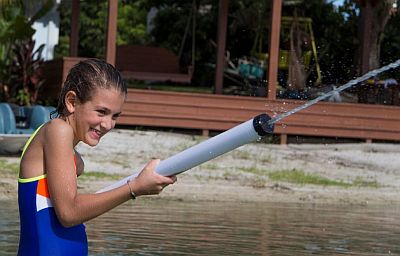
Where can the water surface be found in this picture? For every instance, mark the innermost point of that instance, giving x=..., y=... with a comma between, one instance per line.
x=157, y=227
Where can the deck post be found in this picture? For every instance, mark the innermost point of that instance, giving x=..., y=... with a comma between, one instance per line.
x=74, y=36
x=205, y=133
x=273, y=54
x=283, y=139
x=366, y=13
x=111, y=31
x=221, y=41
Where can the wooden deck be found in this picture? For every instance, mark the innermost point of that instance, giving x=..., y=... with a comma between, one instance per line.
x=210, y=112
x=218, y=113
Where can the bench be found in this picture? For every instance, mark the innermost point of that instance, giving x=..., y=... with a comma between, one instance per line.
x=150, y=63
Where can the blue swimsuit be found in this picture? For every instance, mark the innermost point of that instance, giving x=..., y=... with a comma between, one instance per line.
x=41, y=232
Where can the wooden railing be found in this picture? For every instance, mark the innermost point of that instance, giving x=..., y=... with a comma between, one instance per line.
x=216, y=112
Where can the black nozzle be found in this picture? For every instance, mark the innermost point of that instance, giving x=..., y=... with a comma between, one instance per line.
x=261, y=125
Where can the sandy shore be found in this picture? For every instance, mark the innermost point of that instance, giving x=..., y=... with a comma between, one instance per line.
x=245, y=174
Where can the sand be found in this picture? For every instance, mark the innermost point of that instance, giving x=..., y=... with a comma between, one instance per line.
x=244, y=174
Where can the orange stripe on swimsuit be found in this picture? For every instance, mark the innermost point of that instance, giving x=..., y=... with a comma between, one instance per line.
x=42, y=188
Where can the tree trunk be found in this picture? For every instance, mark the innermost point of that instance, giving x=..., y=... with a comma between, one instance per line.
x=374, y=17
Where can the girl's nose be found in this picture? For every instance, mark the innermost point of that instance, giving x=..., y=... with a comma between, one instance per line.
x=108, y=123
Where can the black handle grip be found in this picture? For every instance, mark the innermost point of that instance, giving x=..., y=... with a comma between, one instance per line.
x=262, y=126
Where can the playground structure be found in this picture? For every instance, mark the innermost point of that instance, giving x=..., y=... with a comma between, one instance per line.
x=298, y=60
x=301, y=49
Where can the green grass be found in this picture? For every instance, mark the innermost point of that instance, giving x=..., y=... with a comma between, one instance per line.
x=254, y=170
x=239, y=154
x=266, y=159
x=11, y=168
x=187, y=144
x=121, y=162
x=300, y=177
x=101, y=175
x=360, y=182
x=211, y=166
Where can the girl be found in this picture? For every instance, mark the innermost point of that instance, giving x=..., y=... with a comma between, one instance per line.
x=51, y=209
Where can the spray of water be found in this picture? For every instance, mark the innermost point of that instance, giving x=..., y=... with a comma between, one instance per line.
x=360, y=79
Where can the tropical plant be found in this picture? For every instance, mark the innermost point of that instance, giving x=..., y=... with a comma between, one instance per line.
x=15, y=34
x=4, y=3
x=131, y=27
x=26, y=72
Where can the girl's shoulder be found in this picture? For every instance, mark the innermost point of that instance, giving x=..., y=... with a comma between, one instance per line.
x=58, y=128
x=51, y=136
x=58, y=124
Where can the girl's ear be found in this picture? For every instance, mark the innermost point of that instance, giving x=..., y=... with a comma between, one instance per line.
x=70, y=101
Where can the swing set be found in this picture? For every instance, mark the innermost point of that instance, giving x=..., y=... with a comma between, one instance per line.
x=299, y=33
x=297, y=59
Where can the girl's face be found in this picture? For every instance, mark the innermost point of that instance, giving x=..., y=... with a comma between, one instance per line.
x=97, y=116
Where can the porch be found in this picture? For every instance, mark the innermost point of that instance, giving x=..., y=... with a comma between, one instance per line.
x=216, y=112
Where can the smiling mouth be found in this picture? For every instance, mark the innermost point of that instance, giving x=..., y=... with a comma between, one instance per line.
x=97, y=133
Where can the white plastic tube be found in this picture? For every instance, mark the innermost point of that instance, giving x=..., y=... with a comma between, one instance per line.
x=244, y=133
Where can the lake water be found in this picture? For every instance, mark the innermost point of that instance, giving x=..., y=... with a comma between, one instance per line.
x=157, y=227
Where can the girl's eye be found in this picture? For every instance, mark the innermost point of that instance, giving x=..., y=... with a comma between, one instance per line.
x=101, y=112
x=115, y=117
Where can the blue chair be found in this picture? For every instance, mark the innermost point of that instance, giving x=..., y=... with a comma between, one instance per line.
x=39, y=115
x=51, y=110
x=7, y=119
x=33, y=117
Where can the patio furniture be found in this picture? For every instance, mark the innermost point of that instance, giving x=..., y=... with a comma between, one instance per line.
x=148, y=63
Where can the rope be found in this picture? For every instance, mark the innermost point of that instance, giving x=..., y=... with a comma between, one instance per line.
x=192, y=16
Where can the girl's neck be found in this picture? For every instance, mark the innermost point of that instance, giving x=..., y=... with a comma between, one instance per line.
x=70, y=121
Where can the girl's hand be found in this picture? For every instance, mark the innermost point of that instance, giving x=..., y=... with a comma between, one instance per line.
x=148, y=182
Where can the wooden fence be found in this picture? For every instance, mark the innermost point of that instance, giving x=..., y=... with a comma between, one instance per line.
x=218, y=113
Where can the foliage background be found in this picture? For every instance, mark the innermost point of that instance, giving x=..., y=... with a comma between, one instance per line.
x=335, y=30
x=20, y=65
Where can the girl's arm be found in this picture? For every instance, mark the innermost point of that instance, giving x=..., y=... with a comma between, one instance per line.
x=73, y=208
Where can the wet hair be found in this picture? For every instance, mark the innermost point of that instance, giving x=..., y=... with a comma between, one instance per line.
x=87, y=76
